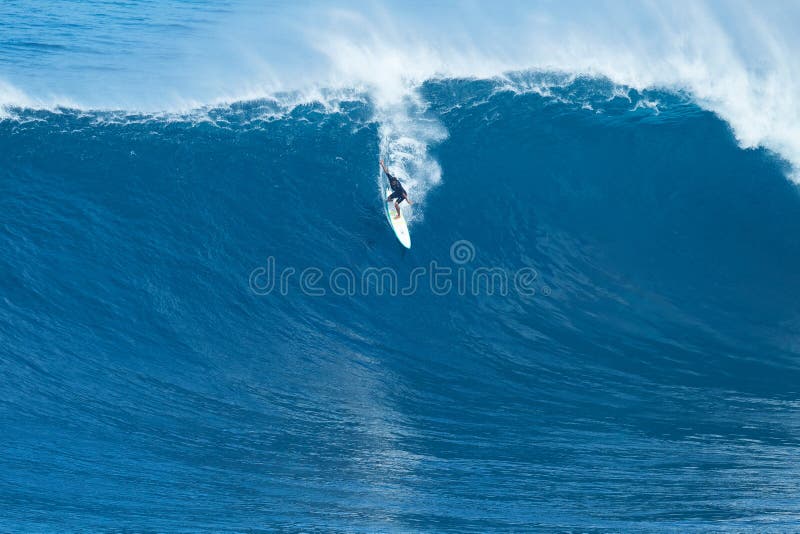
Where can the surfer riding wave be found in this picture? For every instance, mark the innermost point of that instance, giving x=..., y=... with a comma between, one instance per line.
x=398, y=193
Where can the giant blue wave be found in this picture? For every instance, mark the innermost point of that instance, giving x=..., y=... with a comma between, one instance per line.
x=648, y=382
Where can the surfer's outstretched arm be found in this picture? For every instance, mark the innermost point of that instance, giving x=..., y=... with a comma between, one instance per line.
x=387, y=171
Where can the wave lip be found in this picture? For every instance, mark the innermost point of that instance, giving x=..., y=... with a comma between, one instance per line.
x=737, y=60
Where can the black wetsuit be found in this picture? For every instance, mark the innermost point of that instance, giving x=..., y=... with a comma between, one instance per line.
x=398, y=193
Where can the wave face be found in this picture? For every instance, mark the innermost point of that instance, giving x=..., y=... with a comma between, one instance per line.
x=154, y=381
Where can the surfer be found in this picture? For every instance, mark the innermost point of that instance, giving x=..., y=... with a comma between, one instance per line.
x=398, y=193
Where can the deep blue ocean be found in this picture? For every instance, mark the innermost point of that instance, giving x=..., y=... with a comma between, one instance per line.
x=646, y=378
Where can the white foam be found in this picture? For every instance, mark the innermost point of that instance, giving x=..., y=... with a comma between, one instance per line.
x=737, y=59
x=406, y=134
x=11, y=97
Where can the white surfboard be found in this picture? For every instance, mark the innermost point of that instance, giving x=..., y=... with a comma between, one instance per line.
x=399, y=224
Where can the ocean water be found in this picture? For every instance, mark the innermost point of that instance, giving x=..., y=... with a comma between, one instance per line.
x=206, y=323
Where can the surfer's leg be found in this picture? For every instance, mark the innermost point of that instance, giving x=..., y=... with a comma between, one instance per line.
x=397, y=207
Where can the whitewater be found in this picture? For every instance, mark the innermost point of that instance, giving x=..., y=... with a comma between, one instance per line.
x=207, y=325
